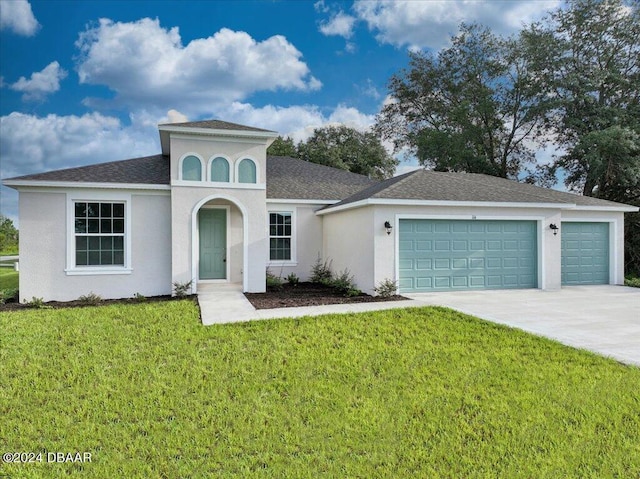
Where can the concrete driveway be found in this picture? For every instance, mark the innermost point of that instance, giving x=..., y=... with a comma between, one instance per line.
x=603, y=319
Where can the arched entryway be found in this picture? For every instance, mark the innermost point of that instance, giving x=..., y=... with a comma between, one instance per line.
x=219, y=234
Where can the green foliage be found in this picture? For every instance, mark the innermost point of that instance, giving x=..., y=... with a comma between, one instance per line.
x=139, y=297
x=90, y=298
x=37, y=303
x=321, y=271
x=182, y=289
x=343, y=282
x=425, y=392
x=386, y=288
x=283, y=147
x=8, y=236
x=273, y=281
x=293, y=279
x=8, y=294
x=470, y=107
x=633, y=281
x=348, y=149
x=588, y=54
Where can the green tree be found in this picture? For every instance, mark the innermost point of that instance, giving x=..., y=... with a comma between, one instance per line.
x=348, y=149
x=475, y=107
x=8, y=235
x=283, y=147
x=588, y=55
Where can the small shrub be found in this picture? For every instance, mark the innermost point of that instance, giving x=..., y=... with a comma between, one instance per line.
x=633, y=281
x=343, y=282
x=273, y=281
x=140, y=297
x=293, y=279
x=8, y=294
x=91, y=298
x=37, y=303
x=321, y=272
x=182, y=289
x=386, y=288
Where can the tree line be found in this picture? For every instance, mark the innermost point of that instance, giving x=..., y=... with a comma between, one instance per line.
x=487, y=102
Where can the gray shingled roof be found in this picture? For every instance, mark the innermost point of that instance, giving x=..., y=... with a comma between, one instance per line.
x=290, y=178
x=148, y=170
x=216, y=125
x=446, y=186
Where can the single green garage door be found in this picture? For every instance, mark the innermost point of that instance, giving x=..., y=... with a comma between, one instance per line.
x=439, y=255
x=585, y=253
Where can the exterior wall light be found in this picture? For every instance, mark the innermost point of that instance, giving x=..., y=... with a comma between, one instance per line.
x=387, y=226
x=554, y=228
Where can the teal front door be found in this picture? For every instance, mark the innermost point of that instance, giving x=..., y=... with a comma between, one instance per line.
x=213, y=243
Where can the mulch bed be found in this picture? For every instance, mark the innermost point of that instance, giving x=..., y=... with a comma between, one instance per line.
x=308, y=294
x=13, y=305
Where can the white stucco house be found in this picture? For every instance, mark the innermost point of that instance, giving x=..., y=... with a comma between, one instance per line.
x=214, y=208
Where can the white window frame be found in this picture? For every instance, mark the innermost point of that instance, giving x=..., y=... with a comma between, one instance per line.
x=236, y=170
x=293, y=261
x=94, y=197
x=210, y=170
x=203, y=169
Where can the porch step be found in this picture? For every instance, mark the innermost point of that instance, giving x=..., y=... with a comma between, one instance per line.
x=218, y=287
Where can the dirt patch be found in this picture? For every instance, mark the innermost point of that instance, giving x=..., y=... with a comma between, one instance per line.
x=308, y=294
x=13, y=305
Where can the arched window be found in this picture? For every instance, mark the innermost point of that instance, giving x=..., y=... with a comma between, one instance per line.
x=247, y=171
x=191, y=168
x=220, y=170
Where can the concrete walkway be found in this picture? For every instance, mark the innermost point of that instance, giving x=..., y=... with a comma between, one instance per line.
x=603, y=319
x=225, y=303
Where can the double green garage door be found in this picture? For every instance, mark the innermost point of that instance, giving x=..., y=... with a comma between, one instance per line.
x=440, y=255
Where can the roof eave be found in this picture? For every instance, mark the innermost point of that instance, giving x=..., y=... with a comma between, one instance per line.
x=17, y=184
x=408, y=202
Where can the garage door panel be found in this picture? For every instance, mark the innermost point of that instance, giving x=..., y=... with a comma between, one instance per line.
x=585, y=253
x=476, y=263
x=424, y=245
x=468, y=254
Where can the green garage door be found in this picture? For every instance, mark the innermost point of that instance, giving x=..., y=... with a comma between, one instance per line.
x=585, y=253
x=440, y=255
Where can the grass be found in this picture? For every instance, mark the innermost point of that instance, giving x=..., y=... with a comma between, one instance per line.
x=8, y=278
x=406, y=393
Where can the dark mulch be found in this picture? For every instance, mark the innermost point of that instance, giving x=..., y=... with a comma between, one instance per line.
x=308, y=294
x=13, y=305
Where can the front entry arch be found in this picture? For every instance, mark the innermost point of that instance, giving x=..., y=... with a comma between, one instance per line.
x=207, y=203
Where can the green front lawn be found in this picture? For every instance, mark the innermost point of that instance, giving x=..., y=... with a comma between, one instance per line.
x=407, y=393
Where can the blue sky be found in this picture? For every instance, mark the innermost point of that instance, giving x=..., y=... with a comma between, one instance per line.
x=85, y=82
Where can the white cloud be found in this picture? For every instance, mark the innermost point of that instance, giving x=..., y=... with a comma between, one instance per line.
x=16, y=15
x=147, y=64
x=320, y=6
x=33, y=144
x=41, y=83
x=339, y=24
x=298, y=121
x=174, y=116
x=431, y=23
